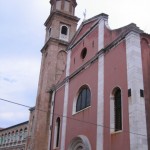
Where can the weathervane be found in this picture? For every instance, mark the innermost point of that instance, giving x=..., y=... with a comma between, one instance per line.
x=84, y=14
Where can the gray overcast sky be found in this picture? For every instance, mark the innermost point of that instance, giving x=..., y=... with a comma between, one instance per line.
x=22, y=36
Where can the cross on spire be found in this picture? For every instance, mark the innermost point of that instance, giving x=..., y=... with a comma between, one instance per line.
x=84, y=14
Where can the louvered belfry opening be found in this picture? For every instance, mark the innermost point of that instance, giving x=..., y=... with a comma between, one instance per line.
x=118, y=110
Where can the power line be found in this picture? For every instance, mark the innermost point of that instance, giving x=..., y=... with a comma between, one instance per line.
x=14, y=103
x=86, y=122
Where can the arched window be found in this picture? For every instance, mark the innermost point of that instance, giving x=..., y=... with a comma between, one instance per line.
x=49, y=31
x=61, y=64
x=57, y=132
x=64, y=33
x=0, y=140
x=25, y=133
x=84, y=98
x=17, y=136
x=12, y=136
x=9, y=137
x=6, y=138
x=64, y=30
x=20, y=135
x=116, y=110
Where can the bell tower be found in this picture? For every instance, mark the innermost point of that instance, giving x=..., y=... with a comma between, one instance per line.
x=60, y=28
x=61, y=24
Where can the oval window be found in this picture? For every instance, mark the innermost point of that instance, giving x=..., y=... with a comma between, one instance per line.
x=84, y=53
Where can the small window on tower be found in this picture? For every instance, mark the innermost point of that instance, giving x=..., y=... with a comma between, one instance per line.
x=64, y=30
x=64, y=33
x=49, y=32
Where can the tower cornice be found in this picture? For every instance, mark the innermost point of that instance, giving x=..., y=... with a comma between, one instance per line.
x=54, y=40
x=60, y=13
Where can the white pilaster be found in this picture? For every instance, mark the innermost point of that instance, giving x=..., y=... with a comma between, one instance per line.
x=100, y=102
x=65, y=107
x=68, y=63
x=101, y=34
x=100, y=105
x=137, y=116
x=51, y=117
x=64, y=120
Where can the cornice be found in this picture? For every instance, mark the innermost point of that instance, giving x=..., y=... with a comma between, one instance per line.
x=51, y=39
x=62, y=14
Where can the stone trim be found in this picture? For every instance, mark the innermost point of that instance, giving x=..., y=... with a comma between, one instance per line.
x=100, y=96
x=62, y=14
x=64, y=120
x=65, y=110
x=100, y=103
x=137, y=115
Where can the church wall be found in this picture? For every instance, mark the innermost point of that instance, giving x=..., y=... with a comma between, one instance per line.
x=113, y=66
x=88, y=116
x=58, y=112
x=111, y=35
x=115, y=75
x=90, y=42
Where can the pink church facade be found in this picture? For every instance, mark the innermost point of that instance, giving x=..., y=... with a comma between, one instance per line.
x=94, y=86
x=101, y=101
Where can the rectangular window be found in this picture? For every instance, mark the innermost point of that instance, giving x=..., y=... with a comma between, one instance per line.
x=141, y=93
x=129, y=92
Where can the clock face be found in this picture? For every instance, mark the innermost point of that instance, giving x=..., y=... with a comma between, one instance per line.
x=61, y=64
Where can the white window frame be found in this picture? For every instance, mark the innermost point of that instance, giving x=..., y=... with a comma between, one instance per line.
x=63, y=36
